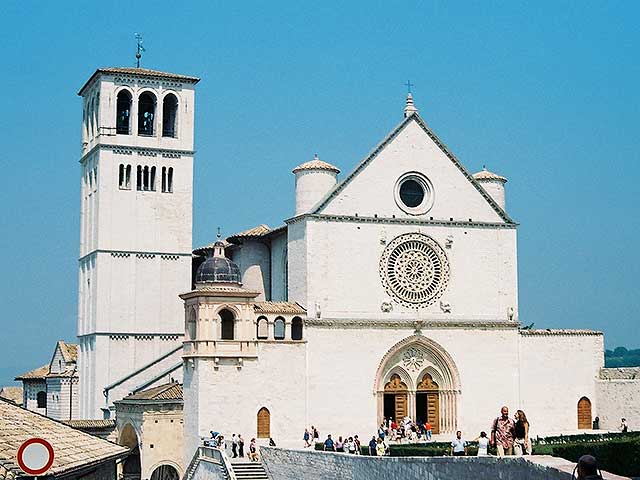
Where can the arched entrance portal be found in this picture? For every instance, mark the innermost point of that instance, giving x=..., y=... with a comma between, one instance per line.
x=165, y=472
x=428, y=403
x=131, y=467
x=419, y=379
x=395, y=398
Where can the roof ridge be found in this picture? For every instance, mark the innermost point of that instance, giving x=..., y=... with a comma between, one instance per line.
x=385, y=141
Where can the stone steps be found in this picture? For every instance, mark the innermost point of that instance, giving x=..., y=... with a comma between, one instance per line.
x=249, y=471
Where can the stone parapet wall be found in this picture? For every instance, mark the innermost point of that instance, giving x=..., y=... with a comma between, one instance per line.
x=283, y=464
x=621, y=373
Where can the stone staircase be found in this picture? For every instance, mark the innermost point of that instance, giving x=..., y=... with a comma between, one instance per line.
x=249, y=471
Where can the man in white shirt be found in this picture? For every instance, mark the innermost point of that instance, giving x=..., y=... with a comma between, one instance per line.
x=458, y=446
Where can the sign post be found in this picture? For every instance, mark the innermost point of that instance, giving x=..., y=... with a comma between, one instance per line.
x=35, y=456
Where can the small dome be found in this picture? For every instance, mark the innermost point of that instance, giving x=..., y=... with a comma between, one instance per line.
x=485, y=174
x=217, y=268
x=316, y=164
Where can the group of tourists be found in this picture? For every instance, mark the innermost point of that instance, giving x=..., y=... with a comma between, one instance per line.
x=237, y=445
x=509, y=435
x=406, y=430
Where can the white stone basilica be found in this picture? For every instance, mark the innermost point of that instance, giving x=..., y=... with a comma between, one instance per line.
x=390, y=292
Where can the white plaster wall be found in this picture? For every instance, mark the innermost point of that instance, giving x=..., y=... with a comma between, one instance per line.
x=342, y=400
x=145, y=221
x=311, y=186
x=556, y=371
x=298, y=262
x=342, y=260
x=495, y=188
x=278, y=267
x=227, y=399
x=372, y=191
x=62, y=398
x=618, y=399
x=30, y=391
x=253, y=260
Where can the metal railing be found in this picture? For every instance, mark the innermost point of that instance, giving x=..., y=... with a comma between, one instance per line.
x=210, y=455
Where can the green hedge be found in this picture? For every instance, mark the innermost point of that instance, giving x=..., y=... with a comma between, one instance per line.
x=621, y=457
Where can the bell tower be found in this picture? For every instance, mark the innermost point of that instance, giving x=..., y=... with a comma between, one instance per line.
x=135, y=228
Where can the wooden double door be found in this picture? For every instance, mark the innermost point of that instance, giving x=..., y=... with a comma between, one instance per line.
x=427, y=401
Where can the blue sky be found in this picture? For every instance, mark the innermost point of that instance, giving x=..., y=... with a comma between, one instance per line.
x=545, y=93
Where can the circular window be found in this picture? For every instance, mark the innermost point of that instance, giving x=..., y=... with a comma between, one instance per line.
x=414, y=270
x=414, y=193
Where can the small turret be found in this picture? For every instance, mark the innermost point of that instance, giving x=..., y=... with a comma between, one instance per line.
x=493, y=185
x=314, y=179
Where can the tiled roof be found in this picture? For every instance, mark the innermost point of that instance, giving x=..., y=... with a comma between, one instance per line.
x=90, y=423
x=169, y=391
x=73, y=449
x=487, y=175
x=279, y=307
x=140, y=72
x=69, y=351
x=200, y=251
x=11, y=393
x=316, y=164
x=37, y=374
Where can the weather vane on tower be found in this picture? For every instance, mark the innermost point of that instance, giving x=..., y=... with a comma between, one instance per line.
x=139, y=50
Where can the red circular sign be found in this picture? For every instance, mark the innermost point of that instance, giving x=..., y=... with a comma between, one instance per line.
x=35, y=456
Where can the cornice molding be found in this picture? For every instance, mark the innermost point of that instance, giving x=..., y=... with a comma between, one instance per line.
x=138, y=254
x=399, y=221
x=410, y=324
x=143, y=151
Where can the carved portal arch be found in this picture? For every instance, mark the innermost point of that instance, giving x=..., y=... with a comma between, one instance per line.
x=431, y=379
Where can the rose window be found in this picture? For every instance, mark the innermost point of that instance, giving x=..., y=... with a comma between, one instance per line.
x=414, y=270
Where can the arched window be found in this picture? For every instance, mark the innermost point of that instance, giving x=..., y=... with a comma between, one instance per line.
x=146, y=113
x=164, y=179
x=145, y=178
x=169, y=115
x=170, y=180
x=152, y=180
x=123, y=111
x=121, y=176
x=165, y=472
x=41, y=399
x=227, y=322
x=139, y=178
x=264, y=423
x=127, y=177
x=296, y=328
x=278, y=328
x=262, y=328
x=191, y=324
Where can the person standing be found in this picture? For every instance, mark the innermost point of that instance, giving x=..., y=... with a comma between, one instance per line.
x=458, y=446
x=372, y=447
x=356, y=442
x=306, y=438
x=427, y=428
x=380, y=448
x=315, y=433
x=483, y=444
x=502, y=432
x=240, y=446
x=521, y=444
x=624, y=428
x=253, y=451
x=234, y=446
x=329, y=445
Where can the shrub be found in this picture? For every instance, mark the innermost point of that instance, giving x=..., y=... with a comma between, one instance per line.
x=621, y=457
